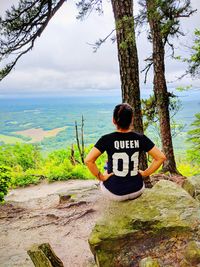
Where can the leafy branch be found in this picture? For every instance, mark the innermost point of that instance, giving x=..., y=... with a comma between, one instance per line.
x=20, y=28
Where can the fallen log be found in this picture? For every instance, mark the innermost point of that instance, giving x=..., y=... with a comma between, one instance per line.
x=43, y=256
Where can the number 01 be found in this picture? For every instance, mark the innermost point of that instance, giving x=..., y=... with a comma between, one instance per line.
x=125, y=163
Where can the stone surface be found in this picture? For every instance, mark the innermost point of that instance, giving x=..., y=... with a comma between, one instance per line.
x=192, y=186
x=159, y=224
x=149, y=262
x=34, y=215
x=48, y=195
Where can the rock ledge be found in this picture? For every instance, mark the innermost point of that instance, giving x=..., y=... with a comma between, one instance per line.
x=160, y=224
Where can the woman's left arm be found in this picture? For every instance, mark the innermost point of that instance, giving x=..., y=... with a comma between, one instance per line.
x=91, y=164
x=158, y=159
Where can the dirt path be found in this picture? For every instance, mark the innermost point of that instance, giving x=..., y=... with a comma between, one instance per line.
x=36, y=215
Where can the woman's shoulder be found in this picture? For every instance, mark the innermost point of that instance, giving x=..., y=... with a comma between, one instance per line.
x=132, y=134
x=139, y=135
x=107, y=135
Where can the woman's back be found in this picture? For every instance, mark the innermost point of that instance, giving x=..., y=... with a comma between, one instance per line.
x=123, y=150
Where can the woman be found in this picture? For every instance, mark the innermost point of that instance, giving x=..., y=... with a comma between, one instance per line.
x=123, y=180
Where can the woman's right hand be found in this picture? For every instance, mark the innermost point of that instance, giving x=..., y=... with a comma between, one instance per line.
x=142, y=173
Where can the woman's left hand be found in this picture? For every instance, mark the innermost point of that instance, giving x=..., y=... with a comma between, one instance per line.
x=105, y=176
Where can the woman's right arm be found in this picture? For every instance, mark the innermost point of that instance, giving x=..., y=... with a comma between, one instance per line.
x=91, y=164
x=158, y=159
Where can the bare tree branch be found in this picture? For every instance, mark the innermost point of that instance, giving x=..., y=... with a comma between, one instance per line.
x=98, y=43
x=148, y=67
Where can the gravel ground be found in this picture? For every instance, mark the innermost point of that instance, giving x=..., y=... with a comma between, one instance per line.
x=37, y=214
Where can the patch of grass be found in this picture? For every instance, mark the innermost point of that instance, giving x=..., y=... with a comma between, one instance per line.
x=10, y=139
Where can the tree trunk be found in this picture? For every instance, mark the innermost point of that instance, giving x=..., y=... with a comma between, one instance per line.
x=160, y=87
x=128, y=64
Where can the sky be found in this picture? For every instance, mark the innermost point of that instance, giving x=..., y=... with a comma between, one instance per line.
x=62, y=63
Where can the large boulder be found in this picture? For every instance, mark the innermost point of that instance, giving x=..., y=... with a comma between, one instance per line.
x=192, y=186
x=156, y=227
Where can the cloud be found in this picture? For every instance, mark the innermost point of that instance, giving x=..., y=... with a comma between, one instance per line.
x=63, y=63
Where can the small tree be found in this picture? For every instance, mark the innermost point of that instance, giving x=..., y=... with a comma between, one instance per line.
x=194, y=139
x=81, y=147
x=163, y=17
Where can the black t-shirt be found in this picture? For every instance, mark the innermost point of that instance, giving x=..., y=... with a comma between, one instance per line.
x=123, y=150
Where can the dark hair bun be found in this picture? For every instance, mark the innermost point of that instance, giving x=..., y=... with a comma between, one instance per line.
x=123, y=114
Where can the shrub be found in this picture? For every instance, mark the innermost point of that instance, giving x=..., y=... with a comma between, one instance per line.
x=58, y=172
x=188, y=169
x=81, y=172
x=5, y=179
x=26, y=155
x=58, y=156
x=24, y=178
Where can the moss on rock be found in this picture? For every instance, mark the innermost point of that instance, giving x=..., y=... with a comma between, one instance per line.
x=129, y=230
x=149, y=262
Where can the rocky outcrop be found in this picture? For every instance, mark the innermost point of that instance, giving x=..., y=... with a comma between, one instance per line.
x=192, y=186
x=157, y=229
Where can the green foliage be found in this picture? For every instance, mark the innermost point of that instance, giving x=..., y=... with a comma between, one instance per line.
x=24, y=178
x=150, y=112
x=183, y=88
x=166, y=15
x=28, y=166
x=194, y=61
x=20, y=28
x=25, y=155
x=58, y=156
x=58, y=166
x=57, y=172
x=81, y=172
x=85, y=7
x=193, y=154
x=5, y=179
x=188, y=168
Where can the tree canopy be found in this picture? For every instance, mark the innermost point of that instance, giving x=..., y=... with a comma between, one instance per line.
x=20, y=28
x=168, y=14
x=194, y=60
